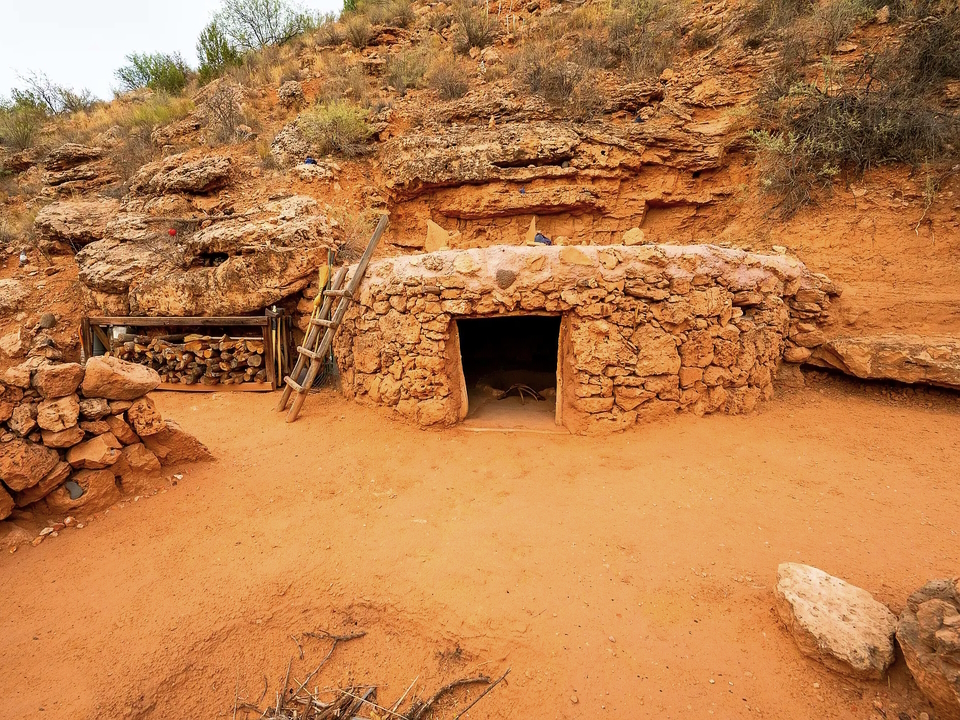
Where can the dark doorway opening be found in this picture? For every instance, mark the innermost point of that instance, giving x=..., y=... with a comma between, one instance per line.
x=504, y=358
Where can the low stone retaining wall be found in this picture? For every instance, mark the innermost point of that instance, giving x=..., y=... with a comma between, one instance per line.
x=92, y=425
x=645, y=331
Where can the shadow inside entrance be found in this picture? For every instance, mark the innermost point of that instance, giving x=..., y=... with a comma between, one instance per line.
x=510, y=370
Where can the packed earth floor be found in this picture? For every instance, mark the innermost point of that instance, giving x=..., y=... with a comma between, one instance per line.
x=630, y=575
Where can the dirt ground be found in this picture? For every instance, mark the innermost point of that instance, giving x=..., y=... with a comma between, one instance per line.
x=624, y=576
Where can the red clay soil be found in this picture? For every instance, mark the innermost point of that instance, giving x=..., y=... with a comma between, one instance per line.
x=624, y=576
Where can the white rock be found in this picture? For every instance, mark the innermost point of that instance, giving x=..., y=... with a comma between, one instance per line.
x=834, y=622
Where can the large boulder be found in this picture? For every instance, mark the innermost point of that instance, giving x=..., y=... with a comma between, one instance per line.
x=96, y=454
x=56, y=380
x=23, y=464
x=77, y=221
x=929, y=635
x=179, y=173
x=175, y=445
x=834, y=622
x=111, y=266
x=233, y=267
x=74, y=168
x=69, y=155
x=462, y=155
x=902, y=358
x=115, y=379
x=99, y=492
x=59, y=414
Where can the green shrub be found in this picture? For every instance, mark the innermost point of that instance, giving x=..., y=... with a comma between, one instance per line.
x=20, y=123
x=450, y=78
x=475, y=28
x=639, y=36
x=337, y=128
x=255, y=24
x=157, y=71
x=401, y=13
x=54, y=99
x=889, y=113
x=406, y=70
x=216, y=53
x=564, y=84
x=836, y=19
x=161, y=109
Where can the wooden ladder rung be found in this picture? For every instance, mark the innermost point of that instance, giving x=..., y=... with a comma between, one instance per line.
x=338, y=293
x=293, y=383
x=309, y=353
x=323, y=323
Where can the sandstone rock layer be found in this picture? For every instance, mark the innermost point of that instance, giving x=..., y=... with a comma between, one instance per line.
x=902, y=358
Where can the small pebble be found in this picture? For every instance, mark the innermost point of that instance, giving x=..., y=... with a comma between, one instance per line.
x=816, y=686
x=573, y=699
x=612, y=639
x=712, y=681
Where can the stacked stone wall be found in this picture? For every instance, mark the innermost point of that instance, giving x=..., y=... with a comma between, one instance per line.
x=646, y=331
x=92, y=425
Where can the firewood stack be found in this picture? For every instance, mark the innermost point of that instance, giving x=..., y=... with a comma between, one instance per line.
x=192, y=359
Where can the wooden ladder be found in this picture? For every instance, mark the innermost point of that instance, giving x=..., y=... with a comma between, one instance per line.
x=342, y=298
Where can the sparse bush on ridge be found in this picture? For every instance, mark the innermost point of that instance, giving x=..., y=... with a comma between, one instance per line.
x=475, y=27
x=564, y=84
x=886, y=109
x=329, y=33
x=216, y=53
x=342, y=80
x=20, y=123
x=639, y=37
x=157, y=71
x=358, y=31
x=256, y=24
x=450, y=78
x=406, y=70
x=224, y=112
x=336, y=128
x=53, y=98
x=836, y=19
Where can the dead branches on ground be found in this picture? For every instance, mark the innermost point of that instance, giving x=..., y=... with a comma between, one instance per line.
x=296, y=701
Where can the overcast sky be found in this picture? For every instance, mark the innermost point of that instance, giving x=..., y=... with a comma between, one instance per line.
x=79, y=43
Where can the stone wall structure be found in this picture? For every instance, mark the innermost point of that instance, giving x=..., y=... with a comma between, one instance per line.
x=645, y=331
x=92, y=426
